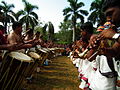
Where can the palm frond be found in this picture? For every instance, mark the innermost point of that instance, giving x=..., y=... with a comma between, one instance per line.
x=93, y=17
x=34, y=14
x=35, y=21
x=81, y=4
x=66, y=17
x=67, y=10
x=84, y=12
x=80, y=17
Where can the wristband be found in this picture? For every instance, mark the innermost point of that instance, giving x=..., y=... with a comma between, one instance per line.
x=116, y=36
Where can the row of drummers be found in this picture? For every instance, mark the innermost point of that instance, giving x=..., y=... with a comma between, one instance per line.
x=98, y=70
x=20, y=54
x=17, y=66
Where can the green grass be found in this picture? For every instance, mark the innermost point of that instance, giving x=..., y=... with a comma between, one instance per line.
x=59, y=75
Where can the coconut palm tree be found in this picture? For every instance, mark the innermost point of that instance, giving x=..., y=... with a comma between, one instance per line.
x=6, y=11
x=96, y=15
x=29, y=17
x=74, y=12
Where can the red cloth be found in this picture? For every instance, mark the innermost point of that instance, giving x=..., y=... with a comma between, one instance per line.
x=2, y=38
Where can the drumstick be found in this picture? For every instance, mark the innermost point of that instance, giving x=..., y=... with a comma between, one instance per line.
x=93, y=55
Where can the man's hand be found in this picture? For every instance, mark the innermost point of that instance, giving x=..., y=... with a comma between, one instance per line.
x=94, y=43
x=107, y=34
x=118, y=83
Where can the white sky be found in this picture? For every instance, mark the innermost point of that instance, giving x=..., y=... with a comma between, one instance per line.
x=49, y=10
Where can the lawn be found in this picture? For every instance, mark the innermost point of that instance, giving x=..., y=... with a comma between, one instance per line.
x=60, y=74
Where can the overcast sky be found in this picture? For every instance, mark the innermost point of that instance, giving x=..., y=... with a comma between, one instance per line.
x=49, y=10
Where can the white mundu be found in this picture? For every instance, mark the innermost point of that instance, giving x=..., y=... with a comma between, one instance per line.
x=97, y=80
x=117, y=69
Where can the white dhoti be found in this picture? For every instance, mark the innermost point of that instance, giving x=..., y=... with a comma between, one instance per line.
x=97, y=80
x=84, y=73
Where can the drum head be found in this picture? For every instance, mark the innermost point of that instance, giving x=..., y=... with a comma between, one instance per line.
x=20, y=56
x=34, y=55
x=33, y=49
x=42, y=50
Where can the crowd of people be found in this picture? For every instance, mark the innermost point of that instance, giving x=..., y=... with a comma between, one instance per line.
x=97, y=56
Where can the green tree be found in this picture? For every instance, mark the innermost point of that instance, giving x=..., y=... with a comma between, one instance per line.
x=44, y=30
x=65, y=33
x=96, y=15
x=50, y=31
x=66, y=25
x=7, y=10
x=74, y=12
x=63, y=37
x=29, y=17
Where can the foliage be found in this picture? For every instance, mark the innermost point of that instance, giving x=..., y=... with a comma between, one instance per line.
x=50, y=31
x=74, y=12
x=65, y=33
x=63, y=37
x=96, y=16
x=18, y=14
x=30, y=17
x=66, y=25
x=7, y=10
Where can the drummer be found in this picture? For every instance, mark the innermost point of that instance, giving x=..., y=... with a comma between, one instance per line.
x=3, y=45
x=15, y=37
x=29, y=34
x=3, y=42
x=38, y=36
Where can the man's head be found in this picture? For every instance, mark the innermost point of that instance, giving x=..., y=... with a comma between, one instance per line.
x=86, y=28
x=110, y=3
x=17, y=26
x=29, y=31
x=111, y=8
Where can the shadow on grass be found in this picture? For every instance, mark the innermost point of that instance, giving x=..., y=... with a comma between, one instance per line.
x=58, y=75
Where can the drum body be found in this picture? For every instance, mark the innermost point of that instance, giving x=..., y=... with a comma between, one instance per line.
x=43, y=54
x=36, y=57
x=13, y=70
x=50, y=55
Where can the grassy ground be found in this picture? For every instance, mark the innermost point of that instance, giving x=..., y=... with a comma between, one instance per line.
x=59, y=75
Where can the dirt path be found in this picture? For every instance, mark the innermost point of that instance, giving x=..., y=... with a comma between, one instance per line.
x=58, y=75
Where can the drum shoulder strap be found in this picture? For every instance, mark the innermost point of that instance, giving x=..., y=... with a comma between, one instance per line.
x=111, y=65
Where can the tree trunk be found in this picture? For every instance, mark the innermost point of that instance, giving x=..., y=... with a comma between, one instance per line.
x=73, y=34
x=74, y=28
x=27, y=26
x=5, y=27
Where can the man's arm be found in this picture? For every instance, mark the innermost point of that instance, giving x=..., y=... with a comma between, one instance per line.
x=110, y=34
x=113, y=51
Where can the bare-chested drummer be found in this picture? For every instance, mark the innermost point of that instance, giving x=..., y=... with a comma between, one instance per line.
x=15, y=36
x=29, y=34
x=38, y=36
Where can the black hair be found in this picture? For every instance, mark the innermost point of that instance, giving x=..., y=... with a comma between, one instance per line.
x=110, y=3
x=37, y=32
x=30, y=31
x=84, y=40
x=2, y=27
x=88, y=27
x=16, y=24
